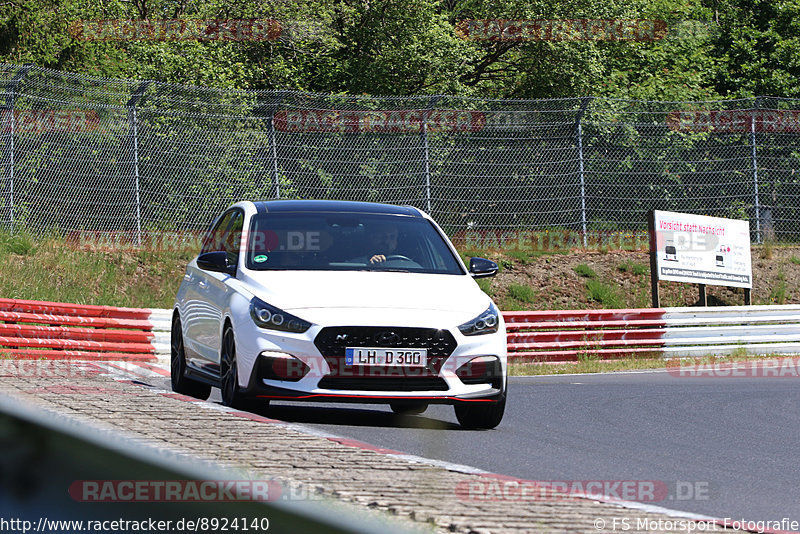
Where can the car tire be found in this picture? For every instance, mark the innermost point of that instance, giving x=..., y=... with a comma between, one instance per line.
x=177, y=368
x=229, y=373
x=481, y=415
x=408, y=409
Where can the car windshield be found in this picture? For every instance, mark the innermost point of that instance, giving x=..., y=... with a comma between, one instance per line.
x=348, y=242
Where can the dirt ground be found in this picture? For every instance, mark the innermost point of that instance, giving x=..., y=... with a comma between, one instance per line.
x=621, y=279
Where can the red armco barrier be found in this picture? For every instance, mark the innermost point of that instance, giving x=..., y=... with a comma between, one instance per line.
x=565, y=335
x=83, y=310
x=32, y=329
x=54, y=330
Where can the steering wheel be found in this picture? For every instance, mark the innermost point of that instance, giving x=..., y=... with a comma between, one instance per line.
x=399, y=257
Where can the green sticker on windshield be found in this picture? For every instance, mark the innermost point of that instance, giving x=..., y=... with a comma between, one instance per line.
x=260, y=258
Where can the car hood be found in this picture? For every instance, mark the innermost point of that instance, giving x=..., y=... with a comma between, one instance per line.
x=305, y=290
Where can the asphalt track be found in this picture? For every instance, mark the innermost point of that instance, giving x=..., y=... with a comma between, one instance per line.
x=722, y=446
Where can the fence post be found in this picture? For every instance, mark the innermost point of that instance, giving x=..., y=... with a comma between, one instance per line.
x=756, y=205
x=134, y=143
x=8, y=145
x=579, y=133
x=423, y=131
x=273, y=108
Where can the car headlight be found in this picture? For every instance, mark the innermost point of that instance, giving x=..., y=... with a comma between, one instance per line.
x=268, y=316
x=485, y=323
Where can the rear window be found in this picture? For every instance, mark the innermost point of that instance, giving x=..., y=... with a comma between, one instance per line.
x=347, y=242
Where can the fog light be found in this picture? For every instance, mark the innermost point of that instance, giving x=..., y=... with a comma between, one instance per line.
x=481, y=370
x=281, y=366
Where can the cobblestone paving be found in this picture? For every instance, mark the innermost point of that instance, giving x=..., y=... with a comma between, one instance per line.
x=311, y=466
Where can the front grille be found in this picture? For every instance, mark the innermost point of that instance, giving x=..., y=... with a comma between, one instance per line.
x=384, y=384
x=332, y=341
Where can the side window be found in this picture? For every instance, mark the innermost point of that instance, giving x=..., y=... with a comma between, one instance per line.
x=233, y=238
x=213, y=240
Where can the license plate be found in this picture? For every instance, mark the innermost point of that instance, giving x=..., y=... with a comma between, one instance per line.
x=380, y=356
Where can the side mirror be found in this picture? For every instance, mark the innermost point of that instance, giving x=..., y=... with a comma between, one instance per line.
x=215, y=261
x=482, y=268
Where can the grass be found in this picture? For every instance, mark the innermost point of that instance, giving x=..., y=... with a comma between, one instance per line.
x=605, y=294
x=522, y=293
x=767, y=250
x=520, y=255
x=585, y=271
x=638, y=269
x=778, y=294
x=589, y=365
x=584, y=365
x=20, y=244
x=795, y=260
x=47, y=269
x=642, y=298
x=518, y=297
x=486, y=286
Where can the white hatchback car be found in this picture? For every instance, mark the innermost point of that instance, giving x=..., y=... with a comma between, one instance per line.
x=338, y=301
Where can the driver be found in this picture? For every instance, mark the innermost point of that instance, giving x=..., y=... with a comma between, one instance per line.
x=382, y=241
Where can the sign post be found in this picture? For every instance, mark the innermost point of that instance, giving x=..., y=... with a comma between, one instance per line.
x=701, y=250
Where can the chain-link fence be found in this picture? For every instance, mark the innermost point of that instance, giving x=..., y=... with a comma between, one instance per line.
x=89, y=153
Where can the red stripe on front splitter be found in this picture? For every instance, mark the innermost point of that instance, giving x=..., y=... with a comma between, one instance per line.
x=394, y=397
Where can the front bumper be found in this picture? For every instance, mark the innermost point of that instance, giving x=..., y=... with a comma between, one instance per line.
x=328, y=380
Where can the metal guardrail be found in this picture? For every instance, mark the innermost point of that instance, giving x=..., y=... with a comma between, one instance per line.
x=103, y=332
x=569, y=335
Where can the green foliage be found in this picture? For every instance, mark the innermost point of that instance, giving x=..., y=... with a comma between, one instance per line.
x=522, y=293
x=399, y=47
x=21, y=244
x=607, y=295
x=778, y=293
x=511, y=304
x=486, y=286
x=758, y=43
x=521, y=256
x=767, y=250
x=584, y=270
x=628, y=266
